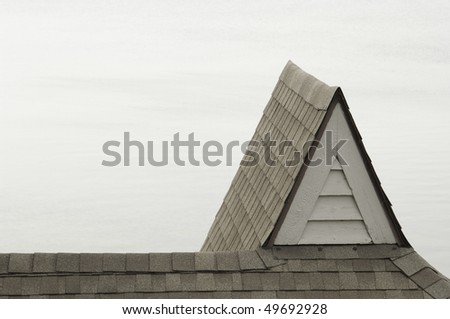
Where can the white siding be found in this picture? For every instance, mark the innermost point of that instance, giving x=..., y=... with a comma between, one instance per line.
x=336, y=204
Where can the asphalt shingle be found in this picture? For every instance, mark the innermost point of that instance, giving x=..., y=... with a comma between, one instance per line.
x=114, y=262
x=4, y=260
x=137, y=262
x=107, y=284
x=160, y=262
x=44, y=263
x=91, y=262
x=20, y=263
x=440, y=289
x=183, y=261
x=250, y=260
x=227, y=261
x=425, y=277
x=205, y=261
x=68, y=262
x=411, y=263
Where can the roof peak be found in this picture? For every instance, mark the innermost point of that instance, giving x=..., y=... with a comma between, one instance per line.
x=311, y=89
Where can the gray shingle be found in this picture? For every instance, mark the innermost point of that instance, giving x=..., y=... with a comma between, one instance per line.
x=270, y=281
x=331, y=280
x=440, y=289
x=316, y=281
x=402, y=282
x=411, y=263
x=144, y=283
x=348, y=281
x=223, y=281
x=49, y=285
x=88, y=284
x=114, y=262
x=137, y=262
x=287, y=281
x=362, y=265
x=302, y=281
x=425, y=277
x=126, y=283
x=44, y=263
x=390, y=265
x=326, y=265
x=250, y=260
x=160, y=262
x=344, y=265
x=384, y=280
x=12, y=286
x=381, y=251
x=302, y=265
x=227, y=261
x=173, y=282
x=20, y=263
x=378, y=264
x=4, y=260
x=67, y=262
x=366, y=280
x=73, y=284
x=340, y=252
x=268, y=259
x=91, y=262
x=30, y=285
x=251, y=281
x=205, y=261
x=107, y=284
x=183, y=261
x=205, y=282
x=158, y=282
x=188, y=282
x=299, y=252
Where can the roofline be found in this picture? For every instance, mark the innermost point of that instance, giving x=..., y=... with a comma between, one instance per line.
x=338, y=97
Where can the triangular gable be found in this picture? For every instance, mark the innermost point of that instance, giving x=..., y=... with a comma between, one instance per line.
x=341, y=200
x=259, y=198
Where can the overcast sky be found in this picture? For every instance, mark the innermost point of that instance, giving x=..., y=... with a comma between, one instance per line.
x=75, y=74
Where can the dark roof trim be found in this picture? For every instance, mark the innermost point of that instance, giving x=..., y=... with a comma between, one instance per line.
x=338, y=97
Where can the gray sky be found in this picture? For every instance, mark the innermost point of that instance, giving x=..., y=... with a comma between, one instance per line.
x=74, y=74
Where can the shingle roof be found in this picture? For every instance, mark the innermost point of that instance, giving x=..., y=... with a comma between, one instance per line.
x=257, y=194
x=235, y=262
x=371, y=271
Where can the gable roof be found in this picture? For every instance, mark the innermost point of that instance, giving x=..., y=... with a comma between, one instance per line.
x=259, y=197
x=251, y=216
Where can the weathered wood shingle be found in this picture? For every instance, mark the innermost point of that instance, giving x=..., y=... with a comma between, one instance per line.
x=257, y=194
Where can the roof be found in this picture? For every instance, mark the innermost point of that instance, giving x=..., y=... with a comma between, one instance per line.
x=259, y=197
x=371, y=271
x=239, y=259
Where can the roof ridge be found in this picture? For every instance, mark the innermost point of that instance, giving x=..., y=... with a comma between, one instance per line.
x=311, y=89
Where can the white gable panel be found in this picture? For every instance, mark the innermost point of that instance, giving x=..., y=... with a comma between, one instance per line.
x=336, y=204
x=336, y=208
x=335, y=232
x=336, y=184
